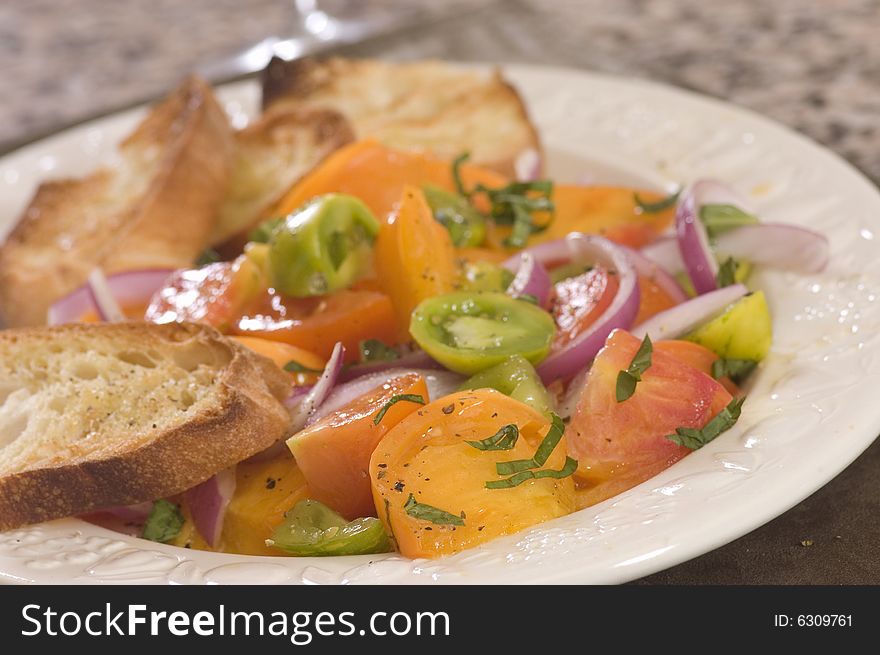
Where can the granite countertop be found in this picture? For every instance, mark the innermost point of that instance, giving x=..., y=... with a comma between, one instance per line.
x=813, y=65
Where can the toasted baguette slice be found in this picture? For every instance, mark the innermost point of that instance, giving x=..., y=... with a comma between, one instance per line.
x=425, y=105
x=157, y=208
x=270, y=155
x=99, y=415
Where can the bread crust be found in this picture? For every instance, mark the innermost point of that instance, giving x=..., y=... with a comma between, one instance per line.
x=249, y=418
x=424, y=105
x=156, y=210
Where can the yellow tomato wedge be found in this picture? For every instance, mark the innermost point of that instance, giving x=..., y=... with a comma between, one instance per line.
x=415, y=259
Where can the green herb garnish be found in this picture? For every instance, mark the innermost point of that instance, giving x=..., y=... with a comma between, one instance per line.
x=208, y=256
x=164, y=523
x=296, y=367
x=542, y=454
x=736, y=369
x=656, y=207
x=628, y=379
x=408, y=397
x=694, y=439
x=373, y=350
x=430, y=513
x=513, y=204
x=264, y=231
x=727, y=273
x=504, y=439
x=719, y=219
x=514, y=480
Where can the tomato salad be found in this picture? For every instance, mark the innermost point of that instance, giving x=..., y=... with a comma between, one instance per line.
x=469, y=355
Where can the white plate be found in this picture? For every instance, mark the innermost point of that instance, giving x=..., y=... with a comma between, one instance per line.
x=811, y=411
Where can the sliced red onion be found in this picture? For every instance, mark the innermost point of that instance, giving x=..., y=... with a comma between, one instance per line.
x=409, y=359
x=439, y=382
x=699, y=260
x=527, y=165
x=587, y=248
x=777, y=245
x=302, y=406
x=666, y=253
x=648, y=268
x=531, y=279
x=131, y=513
x=207, y=503
x=127, y=288
x=102, y=297
x=714, y=192
x=684, y=318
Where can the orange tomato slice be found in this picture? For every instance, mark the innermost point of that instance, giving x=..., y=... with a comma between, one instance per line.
x=427, y=456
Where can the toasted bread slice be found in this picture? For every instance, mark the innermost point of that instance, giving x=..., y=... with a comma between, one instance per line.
x=157, y=208
x=425, y=105
x=106, y=414
x=270, y=155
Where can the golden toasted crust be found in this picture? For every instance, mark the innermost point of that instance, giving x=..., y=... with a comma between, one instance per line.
x=246, y=417
x=425, y=105
x=157, y=208
x=271, y=154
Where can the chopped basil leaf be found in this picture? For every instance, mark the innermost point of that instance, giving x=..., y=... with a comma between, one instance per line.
x=736, y=369
x=719, y=219
x=641, y=362
x=504, y=439
x=264, y=231
x=694, y=439
x=542, y=454
x=373, y=350
x=659, y=206
x=456, y=174
x=727, y=273
x=208, y=256
x=408, y=397
x=514, y=480
x=430, y=513
x=164, y=523
x=296, y=367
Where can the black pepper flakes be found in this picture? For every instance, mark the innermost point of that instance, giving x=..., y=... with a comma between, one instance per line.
x=449, y=408
x=382, y=466
x=399, y=485
x=270, y=483
x=380, y=475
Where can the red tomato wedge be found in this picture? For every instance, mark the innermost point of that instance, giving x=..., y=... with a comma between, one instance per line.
x=619, y=445
x=316, y=324
x=700, y=357
x=579, y=301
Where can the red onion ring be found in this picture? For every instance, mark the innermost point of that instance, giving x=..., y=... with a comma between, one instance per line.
x=682, y=319
x=693, y=242
x=531, y=279
x=127, y=287
x=414, y=359
x=527, y=165
x=102, y=297
x=440, y=383
x=131, y=513
x=207, y=503
x=648, y=268
x=666, y=253
x=303, y=405
x=568, y=361
x=777, y=245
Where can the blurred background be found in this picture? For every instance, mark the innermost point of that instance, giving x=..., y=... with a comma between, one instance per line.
x=813, y=65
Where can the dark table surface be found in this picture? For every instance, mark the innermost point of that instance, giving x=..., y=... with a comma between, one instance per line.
x=811, y=64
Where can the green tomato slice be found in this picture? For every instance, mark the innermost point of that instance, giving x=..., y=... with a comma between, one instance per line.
x=313, y=529
x=514, y=377
x=470, y=332
x=466, y=226
x=322, y=247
